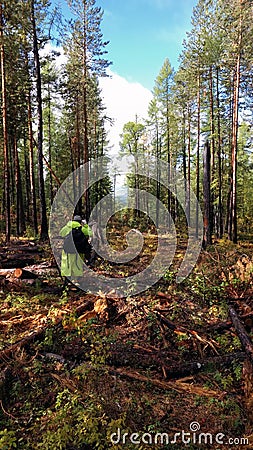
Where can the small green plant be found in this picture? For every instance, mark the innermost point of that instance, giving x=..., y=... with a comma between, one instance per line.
x=8, y=440
x=77, y=422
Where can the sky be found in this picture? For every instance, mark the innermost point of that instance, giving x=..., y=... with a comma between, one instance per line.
x=142, y=34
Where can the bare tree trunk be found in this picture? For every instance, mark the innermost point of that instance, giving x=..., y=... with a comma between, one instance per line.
x=50, y=143
x=31, y=167
x=85, y=119
x=212, y=149
x=236, y=91
x=76, y=158
x=184, y=155
x=27, y=184
x=20, y=216
x=158, y=175
x=31, y=157
x=188, y=188
x=197, y=162
x=169, y=165
x=220, y=211
x=43, y=210
x=233, y=228
x=207, y=196
x=5, y=133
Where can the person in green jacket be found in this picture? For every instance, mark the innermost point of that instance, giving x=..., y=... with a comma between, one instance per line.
x=72, y=264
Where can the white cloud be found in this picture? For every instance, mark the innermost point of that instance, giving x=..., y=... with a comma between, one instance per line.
x=122, y=98
x=123, y=101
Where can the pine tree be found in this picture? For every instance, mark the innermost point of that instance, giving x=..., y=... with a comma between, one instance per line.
x=84, y=49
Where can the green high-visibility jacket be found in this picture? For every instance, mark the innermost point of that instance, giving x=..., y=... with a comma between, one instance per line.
x=72, y=264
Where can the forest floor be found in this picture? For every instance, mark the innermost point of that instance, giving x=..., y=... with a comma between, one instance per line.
x=162, y=369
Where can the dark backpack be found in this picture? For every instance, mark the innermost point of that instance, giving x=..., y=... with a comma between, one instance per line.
x=76, y=242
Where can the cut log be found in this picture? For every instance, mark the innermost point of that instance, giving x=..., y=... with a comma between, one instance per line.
x=24, y=274
x=6, y=272
x=245, y=340
x=178, y=386
x=28, y=272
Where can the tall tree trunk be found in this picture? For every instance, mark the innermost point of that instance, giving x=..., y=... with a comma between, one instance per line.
x=43, y=210
x=188, y=188
x=77, y=159
x=236, y=90
x=20, y=216
x=5, y=132
x=27, y=184
x=50, y=143
x=207, y=195
x=220, y=209
x=184, y=156
x=228, y=226
x=233, y=228
x=31, y=166
x=212, y=149
x=169, y=164
x=85, y=119
x=158, y=175
x=197, y=156
x=32, y=187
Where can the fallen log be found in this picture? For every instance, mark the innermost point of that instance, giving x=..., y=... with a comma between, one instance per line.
x=193, y=367
x=6, y=272
x=39, y=333
x=147, y=358
x=19, y=249
x=14, y=262
x=163, y=295
x=220, y=326
x=27, y=272
x=170, y=324
x=178, y=385
x=245, y=340
x=24, y=274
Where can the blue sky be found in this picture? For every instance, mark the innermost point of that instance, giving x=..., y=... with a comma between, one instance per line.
x=142, y=33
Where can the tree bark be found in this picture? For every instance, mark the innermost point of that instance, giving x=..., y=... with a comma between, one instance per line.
x=207, y=196
x=31, y=161
x=43, y=211
x=242, y=334
x=5, y=132
x=235, y=115
x=212, y=150
x=188, y=184
x=197, y=156
x=220, y=211
x=193, y=367
x=85, y=118
x=20, y=216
